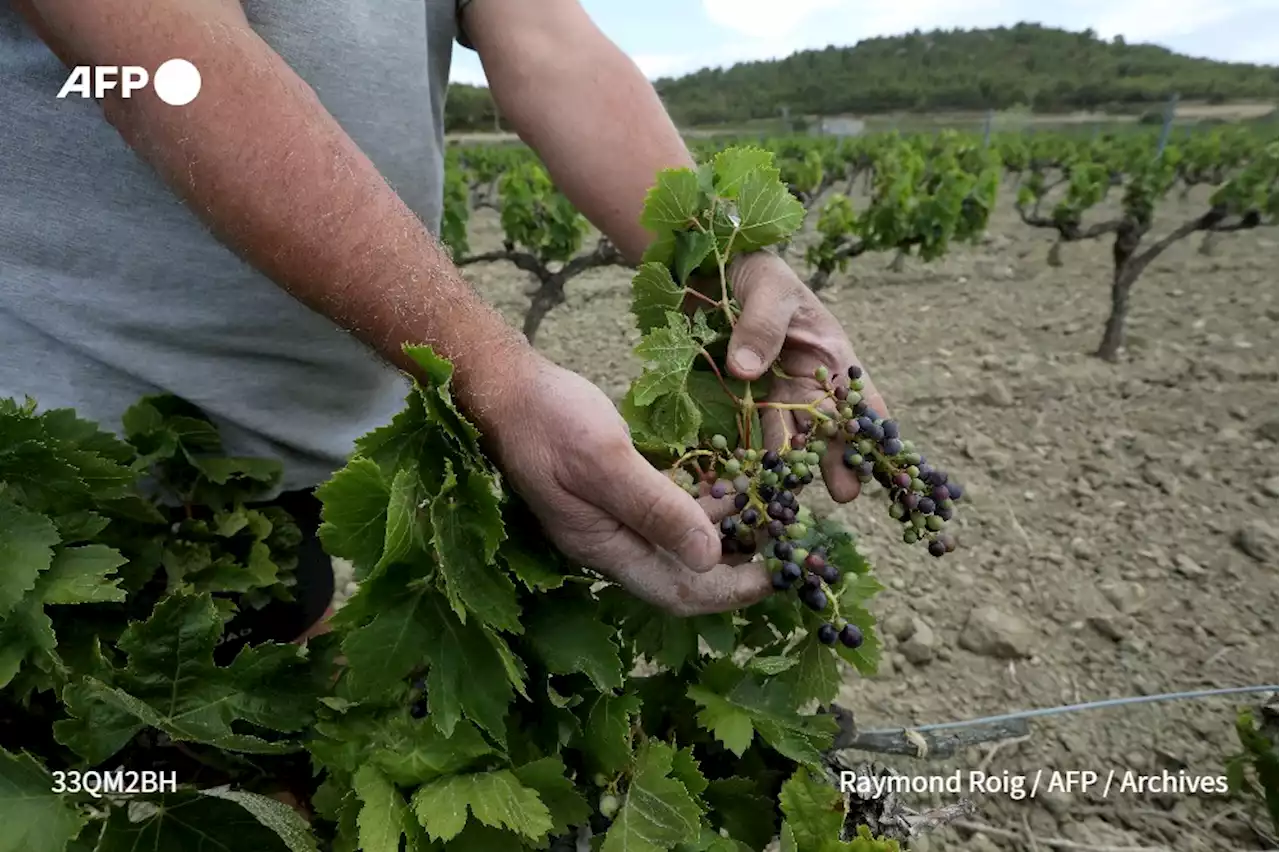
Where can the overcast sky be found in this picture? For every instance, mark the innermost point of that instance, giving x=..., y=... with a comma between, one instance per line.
x=670, y=37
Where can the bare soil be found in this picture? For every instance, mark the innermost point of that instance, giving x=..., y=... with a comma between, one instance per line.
x=1126, y=512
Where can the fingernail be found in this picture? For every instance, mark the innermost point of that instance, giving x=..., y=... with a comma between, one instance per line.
x=748, y=360
x=693, y=550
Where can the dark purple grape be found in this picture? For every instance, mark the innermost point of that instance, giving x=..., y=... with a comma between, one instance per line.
x=777, y=529
x=790, y=481
x=827, y=634
x=791, y=571
x=865, y=469
x=780, y=582
x=814, y=561
x=783, y=550
x=851, y=427
x=850, y=636
x=861, y=409
x=891, y=446
x=890, y=428
x=865, y=425
x=812, y=582
x=767, y=493
x=945, y=512
x=937, y=548
x=418, y=709
x=788, y=516
x=815, y=599
x=774, y=509
x=855, y=372
x=911, y=501
x=747, y=546
x=719, y=490
x=830, y=574
x=940, y=493
x=807, y=479
x=728, y=546
x=729, y=525
x=926, y=505
x=741, y=500
x=770, y=460
x=902, y=479
x=787, y=499
x=841, y=393
x=954, y=490
x=750, y=516
x=876, y=432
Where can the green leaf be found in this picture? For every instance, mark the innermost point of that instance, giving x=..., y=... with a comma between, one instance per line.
x=468, y=530
x=274, y=814
x=816, y=675
x=672, y=203
x=26, y=549
x=866, y=657
x=658, y=811
x=384, y=651
x=468, y=674
x=354, y=514
x=743, y=809
x=187, y=820
x=402, y=517
x=692, y=248
x=654, y=293
x=413, y=752
x=497, y=799
x=82, y=575
x=769, y=666
x=729, y=724
x=767, y=213
x=171, y=683
x=735, y=704
x=814, y=810
x=607, y=733
x=222, y=470
x=732, y=167
x=33, y=818
x=569, y=637
x=384, y=813
x=668, y=354
x=548, y=778
x=433, y=383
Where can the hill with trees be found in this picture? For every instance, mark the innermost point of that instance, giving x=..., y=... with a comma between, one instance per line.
x=1027, y=65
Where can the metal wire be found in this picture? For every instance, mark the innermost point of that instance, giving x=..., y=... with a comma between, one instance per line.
x=1072, y=708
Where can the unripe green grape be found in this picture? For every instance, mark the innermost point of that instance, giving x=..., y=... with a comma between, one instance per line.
x=799, y=468
x=897, y=511
x=796, y=456
x=934, y=523
x=865, y=446
x=733, y=467
x=856, y=385
x=909, y=447
x=853, y=399
x=845, y=411
x=948, y=504
x=917, y=484
x=769, y=477
x=918, y=520
x=751, y=455
x=600, y=780
x=822, y=374
x=608, y=805
x=829, y=428
x=798, y=555
x=913, y=471
x=815, y=458
x=856, y=459
x=797, y=530
x=719, y=442
x=909, y=535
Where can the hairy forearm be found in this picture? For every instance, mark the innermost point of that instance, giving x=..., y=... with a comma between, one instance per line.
x=261, y=161
x=583, y=105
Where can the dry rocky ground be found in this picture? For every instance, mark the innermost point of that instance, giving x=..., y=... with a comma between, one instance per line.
x=1120, y=534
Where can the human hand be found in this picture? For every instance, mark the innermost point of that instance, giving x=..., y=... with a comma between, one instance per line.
x=566, y=450
x=782, y=317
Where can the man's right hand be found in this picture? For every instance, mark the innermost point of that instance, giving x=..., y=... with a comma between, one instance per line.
x=567, y=452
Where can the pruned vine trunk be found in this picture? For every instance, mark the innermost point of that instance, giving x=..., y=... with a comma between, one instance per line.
x=549, y=294
x=1126, y=272
x=1055, y=254
x=819, y=279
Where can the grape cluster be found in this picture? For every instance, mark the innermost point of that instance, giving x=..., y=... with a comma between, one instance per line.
x=766, y=485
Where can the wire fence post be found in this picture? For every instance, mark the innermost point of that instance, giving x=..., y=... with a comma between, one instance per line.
x=1170, y=111
x=986, y=129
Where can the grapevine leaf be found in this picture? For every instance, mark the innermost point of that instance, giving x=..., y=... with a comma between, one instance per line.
x=547, y=777
x=729, y=724
x=497, y=799
x=768, y=213
x=813, y=809
x=569, y=637
x=733, y=166
x=438, y=399
x=384, y=814
x=672, y=204
x=692, y=248
x=685, y=768
x=743, y=810
x=733, y=710
x=354, y=514
x=81, y=575
x=658, y=811
x=402, y=517
x=385, y=650
x=414, y=752
x=33, y=818
x=668, y=354
x=537, y=570
x=607, y=734
x=816, y=675
x=468, y=529
x=654, y=293
x=172, y=683
x=25, y=633
x=287, y=823
x=187, y=820
x=467, y=674
x=26, y=549
x=662, y=250
x=769, y=666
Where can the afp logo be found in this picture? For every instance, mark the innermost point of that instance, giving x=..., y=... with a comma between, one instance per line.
x=176, y=82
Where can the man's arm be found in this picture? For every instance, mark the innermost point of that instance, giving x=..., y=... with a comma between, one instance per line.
x=574, y=97
x=275, y=177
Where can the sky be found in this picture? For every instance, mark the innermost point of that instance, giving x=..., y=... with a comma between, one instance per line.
x=672, y=37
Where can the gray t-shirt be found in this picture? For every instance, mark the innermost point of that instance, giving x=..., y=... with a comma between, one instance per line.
x=110, y=289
